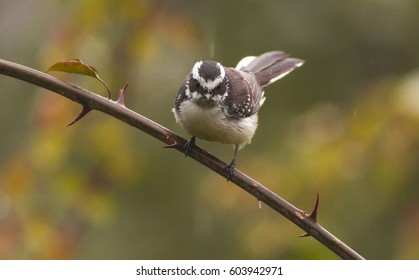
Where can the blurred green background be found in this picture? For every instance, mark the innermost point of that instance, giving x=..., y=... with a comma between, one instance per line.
x=345, y=125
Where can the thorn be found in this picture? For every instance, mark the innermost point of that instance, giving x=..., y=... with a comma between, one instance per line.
x=171, y=146
x=121, y=97
x=258, y=198
x=313, y=214
x=83, y=113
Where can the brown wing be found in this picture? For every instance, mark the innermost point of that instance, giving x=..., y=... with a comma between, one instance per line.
x=240, y=102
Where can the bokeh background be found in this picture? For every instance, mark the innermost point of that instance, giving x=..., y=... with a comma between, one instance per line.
x=345, y=125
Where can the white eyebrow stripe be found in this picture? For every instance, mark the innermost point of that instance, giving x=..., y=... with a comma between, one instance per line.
x=222, y=71
x=195, y=70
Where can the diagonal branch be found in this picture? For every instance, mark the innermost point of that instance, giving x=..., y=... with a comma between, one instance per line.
x=91, y=101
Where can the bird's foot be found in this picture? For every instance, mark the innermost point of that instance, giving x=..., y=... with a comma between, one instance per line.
x=230, y=169
x=188, y=146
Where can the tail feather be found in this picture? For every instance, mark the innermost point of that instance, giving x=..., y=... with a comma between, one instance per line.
x=264, y=61
x=277, y=71
x=269, y=67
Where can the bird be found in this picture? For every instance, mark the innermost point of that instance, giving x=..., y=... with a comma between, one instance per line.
x=221, y=104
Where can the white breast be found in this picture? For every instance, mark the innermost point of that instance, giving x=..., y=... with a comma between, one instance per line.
x=210, y=124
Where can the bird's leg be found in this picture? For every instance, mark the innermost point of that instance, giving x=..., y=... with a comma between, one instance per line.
x=188, y=146
x=232, y=165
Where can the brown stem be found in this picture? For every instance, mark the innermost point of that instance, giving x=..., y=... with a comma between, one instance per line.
x=91, y=101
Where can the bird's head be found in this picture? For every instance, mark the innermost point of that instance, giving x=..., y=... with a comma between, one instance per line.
x=208, y=83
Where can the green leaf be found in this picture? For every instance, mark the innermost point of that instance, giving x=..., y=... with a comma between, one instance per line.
x=76, y=66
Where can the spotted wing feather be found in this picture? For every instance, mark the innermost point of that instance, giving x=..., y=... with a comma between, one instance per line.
x=242, y=104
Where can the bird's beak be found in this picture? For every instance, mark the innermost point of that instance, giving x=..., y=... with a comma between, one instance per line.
x=208, y=93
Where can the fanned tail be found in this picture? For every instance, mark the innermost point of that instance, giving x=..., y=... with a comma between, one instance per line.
x=269, y=67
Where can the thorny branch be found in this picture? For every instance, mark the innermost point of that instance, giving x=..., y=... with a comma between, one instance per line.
x=91, y=101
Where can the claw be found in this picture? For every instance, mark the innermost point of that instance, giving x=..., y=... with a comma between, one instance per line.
x=232, y=165
x=230, y=169
x=188, y=146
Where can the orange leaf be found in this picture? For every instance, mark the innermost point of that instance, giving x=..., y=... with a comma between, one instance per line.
x=76, y=66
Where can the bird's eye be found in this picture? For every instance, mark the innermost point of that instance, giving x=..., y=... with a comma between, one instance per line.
x=197, y=84
x=218, y=87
